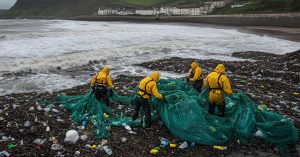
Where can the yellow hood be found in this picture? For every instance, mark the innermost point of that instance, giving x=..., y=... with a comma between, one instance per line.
x=220, y=69
x=155, y=76
x=106, y=70
x=194, y=65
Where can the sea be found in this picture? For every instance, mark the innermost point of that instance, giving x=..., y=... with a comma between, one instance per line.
x=48, y=55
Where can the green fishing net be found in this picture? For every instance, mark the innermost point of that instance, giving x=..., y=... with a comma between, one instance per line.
x=185, y=114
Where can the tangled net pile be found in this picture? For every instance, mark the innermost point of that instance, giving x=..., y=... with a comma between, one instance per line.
x=185, y=114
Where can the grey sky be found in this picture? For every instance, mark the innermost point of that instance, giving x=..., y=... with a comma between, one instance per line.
x=6, y=4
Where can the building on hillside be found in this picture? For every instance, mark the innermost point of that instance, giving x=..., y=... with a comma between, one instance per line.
x=206, y=8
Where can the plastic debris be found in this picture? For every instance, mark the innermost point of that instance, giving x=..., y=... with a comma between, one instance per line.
x=164, y=142
x=84, y=123
x=77, y=153
x=11, y=146
x=220, y=147
x=54, y=110
x=153, y=151
x=105, y=115
x=31, y=109
x=103, y=142
x=87, y=146
x=52, y=138
x=172, y=145
x=94, y=146
x=124, y=139
x=27, y=124
x=132, y=132
x=71, y=136
x=127, y=127
x=39, y=141
x=56, y=147
x=107, y=150
x=193, y=144
x=83, y=137
x=183, y=145
x=47, y=128
x=4, y=154
x=258, y=133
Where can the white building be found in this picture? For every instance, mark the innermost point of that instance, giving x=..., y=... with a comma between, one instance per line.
x=146, y=12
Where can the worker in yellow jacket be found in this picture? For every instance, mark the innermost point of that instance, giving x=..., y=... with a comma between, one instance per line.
x=196, y=78
x=147, y=88
x=218, y=85
x=102, y=85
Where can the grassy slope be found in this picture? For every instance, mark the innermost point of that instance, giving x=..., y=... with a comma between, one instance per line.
x=67, y=8
x=262, y=6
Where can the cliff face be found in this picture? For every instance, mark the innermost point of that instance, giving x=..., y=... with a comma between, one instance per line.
x=52, y=8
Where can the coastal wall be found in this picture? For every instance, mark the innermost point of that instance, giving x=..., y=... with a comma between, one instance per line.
x=283, y=20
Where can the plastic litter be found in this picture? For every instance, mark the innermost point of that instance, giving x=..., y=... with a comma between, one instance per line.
x=4, y=154
x=107, y=150
x=71, y=136
x=103, y=142
x=183, y=145
x=172, y=145
x=77, y=153
x=31, y=109
x=47, y=128
x=39, y=141
x=124, y=139
x=94, y=146
x=220, y=147
x=11, y=146
x=127, y=127
x=56, y=147
x=164, y=142
x=153, y=151
x=84, y=123
x=83, y=137
x=27, y=124
x=193, y=144
x=87, y=146
x=105, y=115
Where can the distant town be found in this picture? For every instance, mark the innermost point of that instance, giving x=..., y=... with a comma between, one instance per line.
x=206, y=8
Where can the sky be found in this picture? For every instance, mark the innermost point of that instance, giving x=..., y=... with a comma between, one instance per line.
x=6, y=4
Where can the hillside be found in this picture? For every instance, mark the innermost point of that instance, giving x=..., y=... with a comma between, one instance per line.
x=69, y=8
x=261, y=6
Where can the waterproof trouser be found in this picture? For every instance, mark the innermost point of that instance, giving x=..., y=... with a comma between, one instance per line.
x=101, y=94
x=145, y=105
x=216, y=98
x=198, y=85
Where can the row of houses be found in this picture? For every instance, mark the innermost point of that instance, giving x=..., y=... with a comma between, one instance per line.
x=169, y=11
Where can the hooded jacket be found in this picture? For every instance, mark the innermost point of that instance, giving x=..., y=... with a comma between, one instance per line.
x=147, y=86
x=102, y=78
x=196, y=72
x=217, y=80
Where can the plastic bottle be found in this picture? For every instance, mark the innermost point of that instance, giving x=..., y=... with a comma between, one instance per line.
x=107, y=150
x=183, y=145
x=164, y=142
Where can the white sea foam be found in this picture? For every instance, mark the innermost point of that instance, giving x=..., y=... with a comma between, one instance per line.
x=43, y=45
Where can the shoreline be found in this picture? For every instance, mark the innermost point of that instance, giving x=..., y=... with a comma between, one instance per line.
x=261, y=80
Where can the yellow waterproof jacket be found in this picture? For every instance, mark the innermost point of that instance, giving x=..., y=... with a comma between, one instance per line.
x=102, y=78
x=147, y=87
x=196, y=72
x=218, y=81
